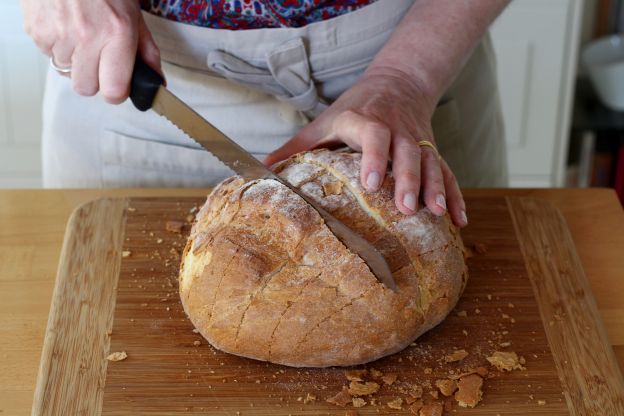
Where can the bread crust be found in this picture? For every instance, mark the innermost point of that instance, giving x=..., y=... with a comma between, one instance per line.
x=263, y=277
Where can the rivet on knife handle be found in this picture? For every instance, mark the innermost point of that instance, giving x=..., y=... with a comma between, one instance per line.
x=144, y=85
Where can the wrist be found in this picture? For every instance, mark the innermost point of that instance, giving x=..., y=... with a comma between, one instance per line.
x=408, y=81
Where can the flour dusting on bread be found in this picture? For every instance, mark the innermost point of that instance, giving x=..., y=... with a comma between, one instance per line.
x=262, y=276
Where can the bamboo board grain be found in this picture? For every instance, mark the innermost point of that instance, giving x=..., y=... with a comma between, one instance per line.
x=527, y=250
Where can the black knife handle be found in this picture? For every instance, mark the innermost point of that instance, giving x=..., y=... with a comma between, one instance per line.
x=144, y=85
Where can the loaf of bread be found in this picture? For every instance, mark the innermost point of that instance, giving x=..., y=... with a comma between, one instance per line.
x=263, y=277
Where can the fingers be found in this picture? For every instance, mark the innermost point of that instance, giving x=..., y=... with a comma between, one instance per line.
x=116, y=65
x=373, y=138
x=406, y=171
x=455, y=199
x=98, y=40
x=147, y=48
x=434, y=194
x=85, y=64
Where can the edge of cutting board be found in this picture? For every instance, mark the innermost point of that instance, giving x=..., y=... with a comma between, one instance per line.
x=76, y=361
x=585, y=361
x=81, y=314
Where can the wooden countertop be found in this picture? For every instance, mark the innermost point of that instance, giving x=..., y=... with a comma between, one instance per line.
x=32, y=225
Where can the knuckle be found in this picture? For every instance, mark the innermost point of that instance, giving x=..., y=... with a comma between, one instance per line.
x=435, y=184
x=408, y=176
x=408, y=147
x=374, y=130
x=119, y=25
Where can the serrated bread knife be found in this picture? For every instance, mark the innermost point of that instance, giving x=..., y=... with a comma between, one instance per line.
x=148, y=91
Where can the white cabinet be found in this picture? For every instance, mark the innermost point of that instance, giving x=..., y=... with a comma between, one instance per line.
x=536, y=43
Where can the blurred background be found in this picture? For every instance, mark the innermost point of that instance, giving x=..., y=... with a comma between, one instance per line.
x=561, y=76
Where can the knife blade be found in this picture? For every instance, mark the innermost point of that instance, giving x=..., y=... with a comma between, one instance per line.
x=148, y=91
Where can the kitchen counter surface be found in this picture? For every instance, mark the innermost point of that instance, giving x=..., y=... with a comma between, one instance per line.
x=32, y=225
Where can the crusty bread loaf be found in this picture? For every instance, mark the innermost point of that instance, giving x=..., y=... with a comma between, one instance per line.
x=263, y=277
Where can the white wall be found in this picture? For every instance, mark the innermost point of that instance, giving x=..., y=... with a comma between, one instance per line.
x=22, y=74
x=588, y=23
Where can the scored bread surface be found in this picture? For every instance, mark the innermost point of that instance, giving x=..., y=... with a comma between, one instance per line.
x=263, y=277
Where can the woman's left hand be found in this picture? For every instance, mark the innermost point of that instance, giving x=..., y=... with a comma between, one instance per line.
x=384, y=115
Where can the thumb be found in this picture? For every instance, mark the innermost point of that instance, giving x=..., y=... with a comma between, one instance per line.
x=305, y=139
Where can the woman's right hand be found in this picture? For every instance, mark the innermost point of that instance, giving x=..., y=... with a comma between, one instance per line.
x=98, y=39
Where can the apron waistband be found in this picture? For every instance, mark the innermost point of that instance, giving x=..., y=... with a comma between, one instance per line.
x=287, y=76
x=285, y=62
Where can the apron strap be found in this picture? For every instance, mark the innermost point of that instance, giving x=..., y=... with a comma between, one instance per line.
x=287, y=75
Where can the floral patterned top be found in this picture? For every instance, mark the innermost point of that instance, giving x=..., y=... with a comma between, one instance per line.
x=251, y=14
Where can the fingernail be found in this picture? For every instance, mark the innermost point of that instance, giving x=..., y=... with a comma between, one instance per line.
x=463, y=217
x=372, y=181
x=409, y=200
x=441, y=201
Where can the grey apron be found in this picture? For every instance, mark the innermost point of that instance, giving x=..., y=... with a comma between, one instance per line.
x=259, y=87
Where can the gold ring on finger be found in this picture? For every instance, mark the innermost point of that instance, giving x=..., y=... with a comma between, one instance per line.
x=427, y=143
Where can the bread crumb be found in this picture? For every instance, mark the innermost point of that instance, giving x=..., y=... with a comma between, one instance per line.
x=332, y=188
x=389, y=378
x=489, y=297
x=431, y=409
x=195, y=331
x=414, y=408
x=309, y=398
x=457, y=355
x=462, y=313
x=447, y=387
x=465, y=332
x=357, y=388
x=416, y=391
x=190, y=218
x=541, y=402
x=375, y=373
x=358, y=402
x=505, y=361
x=340, y=399
x=126, y=253
x=197, y=343
x=469, y=390
x=505, y=344
x=477, y=311
x=356, y=375
x=482, y=371
x=428, y=370
x=174, y=226
x=396, y=404
x=480, y=248
x=117, y=356
x=159, y=241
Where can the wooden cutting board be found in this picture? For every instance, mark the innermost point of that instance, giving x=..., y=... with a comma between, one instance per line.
x=116, y=291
